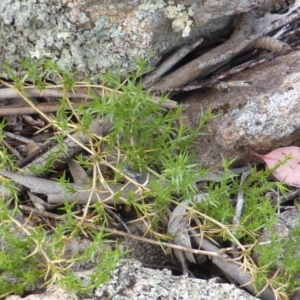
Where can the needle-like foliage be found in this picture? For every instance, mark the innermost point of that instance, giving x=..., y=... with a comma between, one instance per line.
x=145, y=138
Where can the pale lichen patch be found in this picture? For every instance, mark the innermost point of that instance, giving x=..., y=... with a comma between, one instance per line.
x=182, y=22
x=151, y=7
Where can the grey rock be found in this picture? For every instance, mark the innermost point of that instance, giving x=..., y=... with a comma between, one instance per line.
x=94, y=36
x=133, y=282
x=262, y=117
x=53, y=292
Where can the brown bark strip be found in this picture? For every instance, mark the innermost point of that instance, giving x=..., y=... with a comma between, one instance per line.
x=28, y=110
x=7, y=93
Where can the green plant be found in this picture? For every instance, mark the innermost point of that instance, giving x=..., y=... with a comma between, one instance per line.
x=145, y=138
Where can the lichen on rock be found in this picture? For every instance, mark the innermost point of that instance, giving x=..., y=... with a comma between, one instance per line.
x=92, y=37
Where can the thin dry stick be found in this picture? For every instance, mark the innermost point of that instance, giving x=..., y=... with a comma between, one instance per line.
x=42, y=213
x=16, y=137
x=41, y=150
x=28, y=110
x=12, y=150
x=120, y=233
x=58, y=194
x=24, y=96
x=239, y=205
x=7, y=93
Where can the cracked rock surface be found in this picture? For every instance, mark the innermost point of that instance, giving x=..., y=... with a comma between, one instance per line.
x=262, y=117
x=133, y=282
